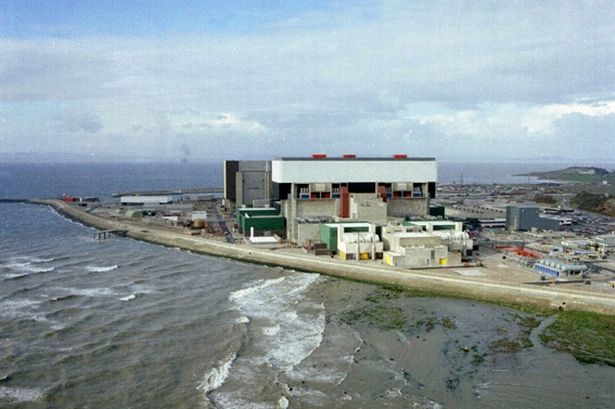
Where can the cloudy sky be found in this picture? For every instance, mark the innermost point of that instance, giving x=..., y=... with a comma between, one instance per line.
x=202, y=80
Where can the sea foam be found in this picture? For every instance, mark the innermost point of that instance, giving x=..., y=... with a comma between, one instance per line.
x=28, y=267
x=215, y=377
x=289, y=335
x=286, y=328
x=20, y=394
x=89, y=292
x=101, y=269
x=21, y=309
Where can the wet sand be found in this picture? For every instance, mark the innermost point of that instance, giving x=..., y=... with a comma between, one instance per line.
x=447, y=353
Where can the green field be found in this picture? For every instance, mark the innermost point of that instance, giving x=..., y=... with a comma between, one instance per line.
x=588, y=336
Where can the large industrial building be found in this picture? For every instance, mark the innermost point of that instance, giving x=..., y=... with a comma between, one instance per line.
x=421, y=244
x=248, y=183
x=342, y=203
x=310, y=190
x=525, y=217
x=352, y=188
x=352, y=241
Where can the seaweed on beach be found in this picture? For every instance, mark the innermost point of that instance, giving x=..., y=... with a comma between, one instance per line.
x=377, y=316
x=384, y=293
x=430, y=323
x=589, y=337
x=526, y=324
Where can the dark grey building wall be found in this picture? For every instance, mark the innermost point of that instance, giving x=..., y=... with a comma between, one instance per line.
x=248, y=180
x=230, y=168
x=526, y=217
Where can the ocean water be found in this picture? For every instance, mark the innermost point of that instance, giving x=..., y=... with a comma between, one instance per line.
x=22, y=180
x=124, y=324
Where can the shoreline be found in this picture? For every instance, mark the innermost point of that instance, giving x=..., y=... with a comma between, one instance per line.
x=429, y=282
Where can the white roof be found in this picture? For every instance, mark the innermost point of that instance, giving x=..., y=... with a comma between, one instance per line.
x=147, y=199
x=344, y=170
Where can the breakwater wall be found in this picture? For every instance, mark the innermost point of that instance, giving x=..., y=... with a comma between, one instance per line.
x=425, y=281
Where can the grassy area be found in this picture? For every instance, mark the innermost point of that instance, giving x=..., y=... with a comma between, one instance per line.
x=588, y=336
x=595, y=203
x=543, y=198
x=393, y=291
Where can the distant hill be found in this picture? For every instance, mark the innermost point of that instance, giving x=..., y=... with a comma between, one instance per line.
x=580, y=174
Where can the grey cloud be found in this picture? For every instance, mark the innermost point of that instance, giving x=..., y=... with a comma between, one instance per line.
x=588, y=136
x=75, y=122
x=342, y=84
x=46, y=70
x=416, y=55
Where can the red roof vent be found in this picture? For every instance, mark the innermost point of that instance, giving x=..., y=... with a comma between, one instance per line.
x=319, y=155
x=400, y=156
x=349, y=156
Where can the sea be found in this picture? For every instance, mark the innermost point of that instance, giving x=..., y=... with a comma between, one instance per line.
x=120, y=323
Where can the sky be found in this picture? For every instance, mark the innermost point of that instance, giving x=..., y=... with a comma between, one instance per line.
x=211, y=80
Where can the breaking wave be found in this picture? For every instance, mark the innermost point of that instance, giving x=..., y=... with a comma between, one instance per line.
x=21, y=309
x=101, y=269
x=20, y=394
x=28, y=267
x=289, y=335
x=215, y=377
x=287, y=328
x=89, y=292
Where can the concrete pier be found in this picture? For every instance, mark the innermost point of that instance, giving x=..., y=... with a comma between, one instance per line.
x=107, y=234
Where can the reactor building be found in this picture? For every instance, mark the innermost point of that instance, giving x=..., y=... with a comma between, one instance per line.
x=311, y=190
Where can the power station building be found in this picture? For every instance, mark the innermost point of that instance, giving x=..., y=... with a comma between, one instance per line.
x=248, y=183
x=348, y=188
x=352, y=188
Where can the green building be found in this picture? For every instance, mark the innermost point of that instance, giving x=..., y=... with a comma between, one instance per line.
x=262, y=219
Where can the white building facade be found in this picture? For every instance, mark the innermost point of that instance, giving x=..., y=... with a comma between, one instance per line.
x=353, y=188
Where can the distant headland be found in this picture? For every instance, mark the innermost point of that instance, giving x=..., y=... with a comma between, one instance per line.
x=579, y=174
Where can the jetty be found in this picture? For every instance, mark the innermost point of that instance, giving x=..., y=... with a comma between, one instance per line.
x=107, y=234
x=14, y=200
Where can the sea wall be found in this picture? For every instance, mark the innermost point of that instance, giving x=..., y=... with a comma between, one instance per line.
x=508, y=292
